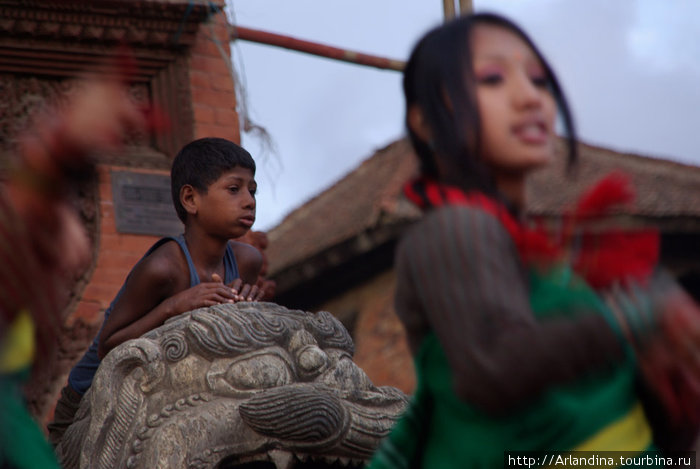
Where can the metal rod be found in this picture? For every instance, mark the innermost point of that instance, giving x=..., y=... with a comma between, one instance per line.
x=314, y=48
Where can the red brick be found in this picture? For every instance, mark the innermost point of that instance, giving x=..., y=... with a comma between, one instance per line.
x=107, y=276
x=107, y=225
x=207, y=130
x=109, y=242
x=226, y=117
x=228, y=132
x=213, y=98
x=385, y=357
x=103, y=173
x=222, y=83
x=381, y=349
x=217, y=25
x=117, y=260
x=208, y=48
x=107, y=207
x=126, y=243
x=220, y=26
x=208, y=64
x=100, y=293
x=199, y=79
x=88, y=312
x=204, y=114
x=138, y=244
x=105, y=190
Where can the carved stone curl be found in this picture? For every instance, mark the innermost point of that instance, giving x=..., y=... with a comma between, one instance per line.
x=236, y=385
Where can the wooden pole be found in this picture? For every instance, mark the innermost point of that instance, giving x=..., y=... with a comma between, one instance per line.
x=465, y=7
x=449, y=9
x=314, y=48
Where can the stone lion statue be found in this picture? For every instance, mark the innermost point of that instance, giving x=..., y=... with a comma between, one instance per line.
x=246, y=385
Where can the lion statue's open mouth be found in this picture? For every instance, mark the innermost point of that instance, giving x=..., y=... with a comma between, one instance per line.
x=245, y=386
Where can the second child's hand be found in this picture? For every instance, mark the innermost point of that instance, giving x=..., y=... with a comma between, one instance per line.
x=244, y=292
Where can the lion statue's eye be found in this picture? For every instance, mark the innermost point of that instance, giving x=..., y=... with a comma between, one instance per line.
x=312, y=359
x=262, y=371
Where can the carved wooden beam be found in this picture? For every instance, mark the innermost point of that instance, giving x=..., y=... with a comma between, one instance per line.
x=61, y=39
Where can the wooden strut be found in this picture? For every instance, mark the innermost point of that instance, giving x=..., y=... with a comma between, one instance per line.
x=449, y=8
x=465, y=6
x=314, y=48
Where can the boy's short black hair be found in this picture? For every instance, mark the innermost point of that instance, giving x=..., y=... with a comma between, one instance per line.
x=203, y=161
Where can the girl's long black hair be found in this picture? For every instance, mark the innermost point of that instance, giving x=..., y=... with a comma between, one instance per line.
x=439, y=71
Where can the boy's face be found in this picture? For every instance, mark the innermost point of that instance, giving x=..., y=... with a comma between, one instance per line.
x=227, y=209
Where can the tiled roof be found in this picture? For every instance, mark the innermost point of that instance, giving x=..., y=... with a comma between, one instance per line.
x=664, y=188
x=360, y=201
x=371, y=195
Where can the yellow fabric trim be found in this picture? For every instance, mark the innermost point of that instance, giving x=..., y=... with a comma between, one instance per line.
x=624, y=437
x=630, y=433
x=17, y=347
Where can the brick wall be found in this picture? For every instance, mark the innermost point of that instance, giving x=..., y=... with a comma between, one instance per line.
x=117, y=253
x=211, y=83
x=381, y=349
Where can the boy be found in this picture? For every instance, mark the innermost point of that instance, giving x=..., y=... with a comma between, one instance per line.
x=213, y=189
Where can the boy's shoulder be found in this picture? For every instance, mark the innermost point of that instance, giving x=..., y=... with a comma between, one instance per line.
x=245, y=252
x=166, y=262
x=248, y=258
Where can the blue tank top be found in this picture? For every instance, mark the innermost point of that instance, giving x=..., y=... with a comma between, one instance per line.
x=80, y=377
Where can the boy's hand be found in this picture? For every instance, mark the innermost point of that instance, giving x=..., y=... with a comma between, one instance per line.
x=203, y=295
x=245, y=292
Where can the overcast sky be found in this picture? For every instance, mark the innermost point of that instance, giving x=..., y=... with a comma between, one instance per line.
x=631, y=70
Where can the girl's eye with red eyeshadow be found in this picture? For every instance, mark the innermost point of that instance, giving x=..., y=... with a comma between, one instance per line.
x=489, y=78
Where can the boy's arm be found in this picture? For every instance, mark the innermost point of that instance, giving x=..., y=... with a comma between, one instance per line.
x=156, y=290
x=249, y=261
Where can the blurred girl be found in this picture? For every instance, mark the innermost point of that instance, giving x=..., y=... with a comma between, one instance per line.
x=43, y=246
x=514, y=350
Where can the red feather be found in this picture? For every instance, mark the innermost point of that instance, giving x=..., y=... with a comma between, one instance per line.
x=614, y=189
x=617, y=256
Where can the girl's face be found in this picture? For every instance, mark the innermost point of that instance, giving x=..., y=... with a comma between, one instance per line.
x=516, y=108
